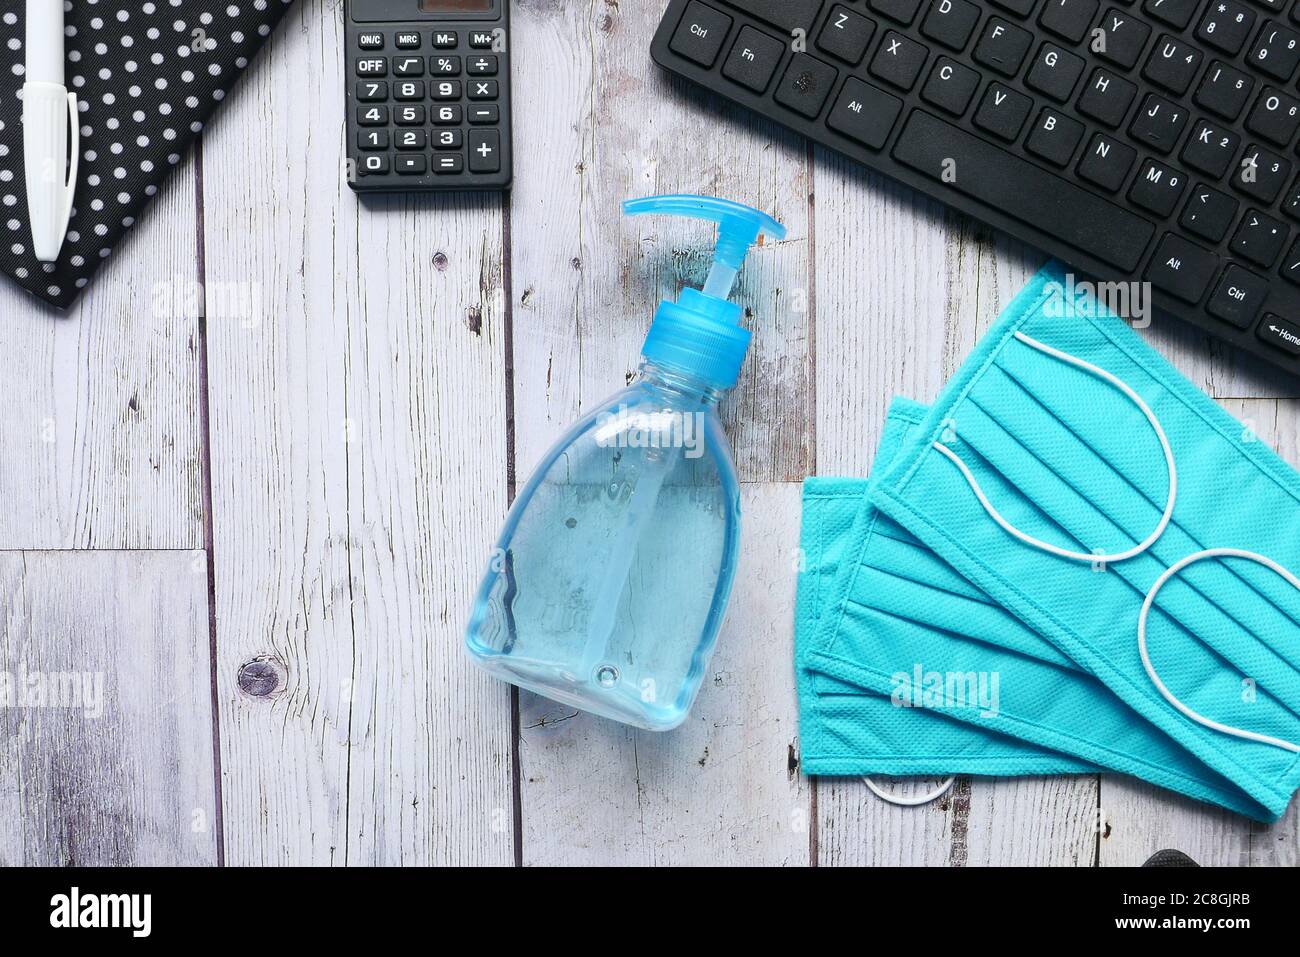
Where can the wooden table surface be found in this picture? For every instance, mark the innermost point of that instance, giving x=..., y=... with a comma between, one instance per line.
x=253, y=477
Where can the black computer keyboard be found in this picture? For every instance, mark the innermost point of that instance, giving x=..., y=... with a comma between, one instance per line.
x=1137, y=140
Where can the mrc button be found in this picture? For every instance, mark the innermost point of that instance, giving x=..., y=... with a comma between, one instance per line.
x=1276, y=331
x=701, y=33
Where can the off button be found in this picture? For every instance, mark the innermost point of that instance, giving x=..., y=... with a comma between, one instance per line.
x=701, y=33
x=1276, y=331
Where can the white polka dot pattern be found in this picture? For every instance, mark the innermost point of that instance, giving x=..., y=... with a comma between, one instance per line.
x=147, y=74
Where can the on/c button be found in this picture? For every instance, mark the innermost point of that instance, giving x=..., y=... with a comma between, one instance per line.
x=701, y=33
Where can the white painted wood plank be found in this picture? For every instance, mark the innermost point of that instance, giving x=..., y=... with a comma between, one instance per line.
x=358, y=455
x=722, y=789
x=101, y=433
x=113, y=765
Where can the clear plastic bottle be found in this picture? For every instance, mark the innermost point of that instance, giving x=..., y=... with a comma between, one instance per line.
x=610, y=580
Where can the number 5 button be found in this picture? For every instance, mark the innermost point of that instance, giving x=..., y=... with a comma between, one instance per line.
x=484, y=151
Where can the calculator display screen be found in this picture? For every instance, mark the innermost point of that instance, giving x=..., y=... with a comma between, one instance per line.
x=455, y=6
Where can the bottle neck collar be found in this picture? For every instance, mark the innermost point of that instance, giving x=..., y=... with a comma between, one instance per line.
x=679, y=382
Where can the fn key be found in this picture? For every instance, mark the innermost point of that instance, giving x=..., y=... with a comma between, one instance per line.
x=864, y=113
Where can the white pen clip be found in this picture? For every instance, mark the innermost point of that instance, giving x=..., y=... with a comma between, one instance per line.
x=50, y=121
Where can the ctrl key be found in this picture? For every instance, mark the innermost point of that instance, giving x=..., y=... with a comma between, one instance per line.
x=1238, y=297
x=1276, y=331
x=701, y=33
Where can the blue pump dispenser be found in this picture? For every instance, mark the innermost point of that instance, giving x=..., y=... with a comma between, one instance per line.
x=611, y=576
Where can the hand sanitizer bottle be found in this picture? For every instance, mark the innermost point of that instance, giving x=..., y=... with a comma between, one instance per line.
x=609, y=582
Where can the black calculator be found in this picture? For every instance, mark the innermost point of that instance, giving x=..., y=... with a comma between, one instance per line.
x=428, y=95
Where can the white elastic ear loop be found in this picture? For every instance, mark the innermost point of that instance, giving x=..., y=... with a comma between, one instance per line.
x=1146, y=659
x=926, y=798
x=1160, y=434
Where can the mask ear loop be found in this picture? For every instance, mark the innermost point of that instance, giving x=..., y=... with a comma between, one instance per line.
x=1146, y=659
x=926, y=798
x=1048, y=546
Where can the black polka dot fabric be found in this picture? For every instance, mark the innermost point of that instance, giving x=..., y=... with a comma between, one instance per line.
x=147, y=76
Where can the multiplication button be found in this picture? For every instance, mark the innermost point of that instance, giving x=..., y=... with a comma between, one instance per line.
x=484, y=89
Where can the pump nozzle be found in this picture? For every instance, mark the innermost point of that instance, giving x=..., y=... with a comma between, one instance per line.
x=701, y=333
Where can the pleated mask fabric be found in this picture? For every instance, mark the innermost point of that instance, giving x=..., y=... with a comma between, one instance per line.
x=1064, y=437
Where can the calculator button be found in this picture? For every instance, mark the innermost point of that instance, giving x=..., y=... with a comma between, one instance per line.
x=372, y=66
x=370, y=91
x=482, y=65
x=409, y=90
x=753, y=59
x=447, y=116
x=407, y=41
x=445, y=41
x=700, y=34
x=372, y=115
x=448, y=163
x=444, y=65
x=373, y=139
x=480, y=40
x=445, y=90
x=484, y=151
x=374, y=164
x=409, y=116
x=413, y=164
x=483, y=90
x=408, y=66
x=448, y=140
x=371, y=41
x=478, y=115
x=411, y=140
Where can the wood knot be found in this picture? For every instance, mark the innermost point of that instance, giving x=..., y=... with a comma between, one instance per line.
x=261, y=677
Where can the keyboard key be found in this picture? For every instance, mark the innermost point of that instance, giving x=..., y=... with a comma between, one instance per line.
x=1276, y=117
x=950, y=86
x=1021, y=8
x=904, y=11
x=1022, y=190
x=1054, y=72
x=1054, y=137
x=1276, y=51
x=1003, y=111
x=1209, y=213
x=1224, y=90
x=1226, y=25
x=1259, y=238
x=806, y=85
x=1106, y=162
x=1238, y=297
x=1106, y=98
x=1291, y=264
x=1122, y=38
x=898, y=60
x=1210, y=149
x=700, y=34
x=1159, y=123
x=1157, y=187
x=864, y=113
x=1276, y=331
x=484, y=151
x=1003, y=46
x=1176, y=13
x=788, y=15
x=951, y=22
x=846, y=35
x=1069, y=18
x=1172, y=64
x=1181, y=268
x=1261, y=174
x=1291, y=206
x=753, y=59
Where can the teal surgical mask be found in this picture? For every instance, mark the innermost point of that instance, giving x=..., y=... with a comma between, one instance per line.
x=1082, y=484
x=905, y=667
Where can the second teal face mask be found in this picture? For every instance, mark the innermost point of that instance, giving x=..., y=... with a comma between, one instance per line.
x=1070, y=474
x=883, y=622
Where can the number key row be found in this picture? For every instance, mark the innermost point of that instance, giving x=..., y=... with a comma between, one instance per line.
x=417, y=116
x=376, y=91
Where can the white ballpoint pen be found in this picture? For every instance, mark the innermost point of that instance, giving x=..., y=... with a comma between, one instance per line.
x=49, y=113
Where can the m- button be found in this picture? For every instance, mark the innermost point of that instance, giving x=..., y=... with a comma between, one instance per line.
x=701, y=33
x=484, y=151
